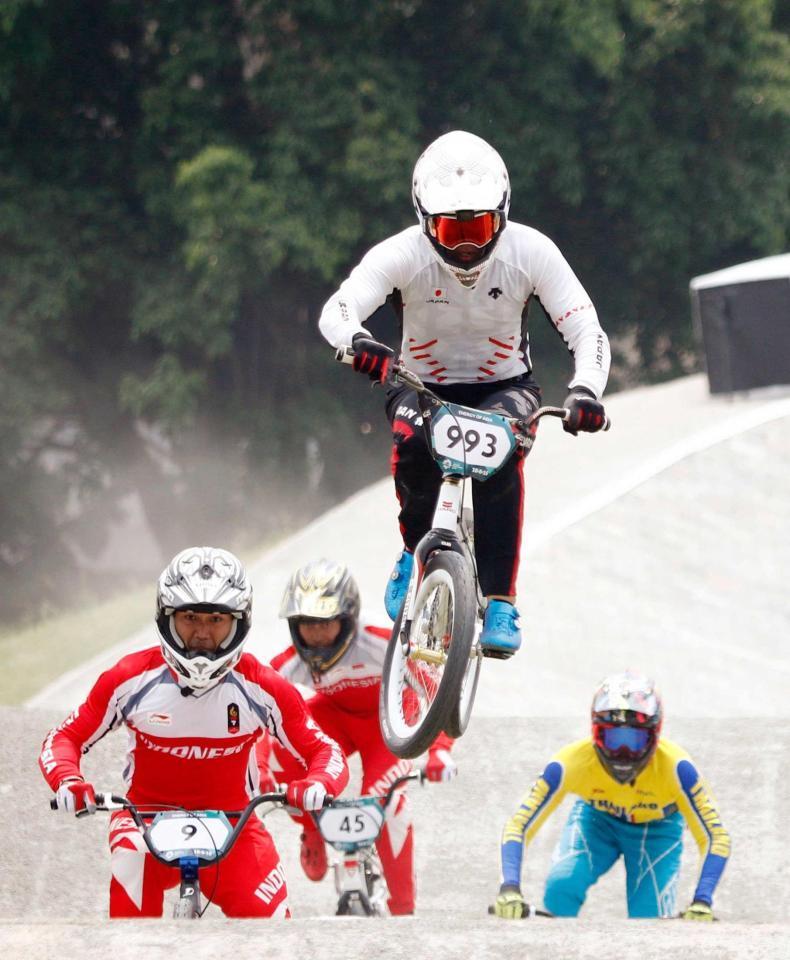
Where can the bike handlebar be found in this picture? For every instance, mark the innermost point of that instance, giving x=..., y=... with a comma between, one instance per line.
x=420, y=775
x=399, y=372
x=106, y=802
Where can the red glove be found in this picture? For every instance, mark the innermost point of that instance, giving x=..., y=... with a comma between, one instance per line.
x=306, y=795
x=268, y=784
x=77, y=797
x=440, y=766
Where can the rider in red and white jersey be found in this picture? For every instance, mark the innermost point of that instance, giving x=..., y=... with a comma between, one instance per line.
x=193, y=708
x=461, y=282
x=338, y=657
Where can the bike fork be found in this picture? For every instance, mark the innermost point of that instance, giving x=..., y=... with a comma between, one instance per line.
x=442, y=535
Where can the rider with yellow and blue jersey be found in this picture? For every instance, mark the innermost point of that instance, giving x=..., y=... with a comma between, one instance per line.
x=635, y=792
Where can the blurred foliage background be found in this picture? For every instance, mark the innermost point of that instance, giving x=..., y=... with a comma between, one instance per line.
x=184, y=182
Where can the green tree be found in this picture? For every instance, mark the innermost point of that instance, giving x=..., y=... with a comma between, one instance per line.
x=184, y=183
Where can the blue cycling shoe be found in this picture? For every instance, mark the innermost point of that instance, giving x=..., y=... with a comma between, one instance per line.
x=501, y=636
x=397, y=584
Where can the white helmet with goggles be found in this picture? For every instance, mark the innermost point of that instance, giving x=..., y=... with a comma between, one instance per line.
x=461, y=193
x=626, y=724
x=203, y=580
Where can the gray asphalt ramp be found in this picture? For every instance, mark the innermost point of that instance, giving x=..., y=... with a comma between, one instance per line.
x=53, y=890
x=663, y=545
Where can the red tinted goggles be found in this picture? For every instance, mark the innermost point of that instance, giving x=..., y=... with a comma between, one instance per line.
x=477, y=229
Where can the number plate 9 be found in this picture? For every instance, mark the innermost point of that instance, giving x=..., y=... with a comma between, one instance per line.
x=176, y=834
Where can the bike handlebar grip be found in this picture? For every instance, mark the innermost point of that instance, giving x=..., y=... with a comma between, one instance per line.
x=531, y=911
x=273, y=796
x=345, y=354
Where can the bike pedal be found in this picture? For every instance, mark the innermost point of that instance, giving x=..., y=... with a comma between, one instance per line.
x=498, y=654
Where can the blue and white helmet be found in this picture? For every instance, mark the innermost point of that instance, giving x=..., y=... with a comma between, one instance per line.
x=205, y=580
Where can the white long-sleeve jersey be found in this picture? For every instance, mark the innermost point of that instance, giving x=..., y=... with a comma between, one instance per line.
x=458, y=334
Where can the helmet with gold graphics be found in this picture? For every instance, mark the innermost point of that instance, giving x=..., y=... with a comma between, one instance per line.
x=319, y=592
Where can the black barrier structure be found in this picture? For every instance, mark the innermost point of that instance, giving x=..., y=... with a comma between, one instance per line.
x=742, y=316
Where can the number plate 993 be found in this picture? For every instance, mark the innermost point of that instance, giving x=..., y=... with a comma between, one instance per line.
x=471, y=442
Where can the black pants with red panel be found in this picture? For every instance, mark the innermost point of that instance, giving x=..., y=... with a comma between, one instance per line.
x=498, y=502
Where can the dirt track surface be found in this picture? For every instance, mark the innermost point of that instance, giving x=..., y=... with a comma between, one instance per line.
x=663, y=545
x=53, y=892
x=403, y=939
x=660, y=545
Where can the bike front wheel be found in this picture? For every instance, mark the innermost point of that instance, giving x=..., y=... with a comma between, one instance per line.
x=424, y=673
x=186, y=908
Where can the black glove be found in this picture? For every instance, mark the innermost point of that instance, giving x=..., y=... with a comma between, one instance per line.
x=371, y=357
x=586, y=412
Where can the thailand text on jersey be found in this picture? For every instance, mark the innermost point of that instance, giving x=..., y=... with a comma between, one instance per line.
x=354, y=682
x=670, y=782
x=457, y=334
x=194, y=751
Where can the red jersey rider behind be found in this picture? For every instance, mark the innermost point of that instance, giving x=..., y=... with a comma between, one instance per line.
x=340, y=657
x=193, y=708
x=461, y=283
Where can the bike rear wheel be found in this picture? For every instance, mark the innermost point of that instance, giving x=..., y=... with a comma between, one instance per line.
x=421, y=685
x=461, y=713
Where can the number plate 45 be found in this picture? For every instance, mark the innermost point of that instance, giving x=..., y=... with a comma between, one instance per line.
x=350, y=825
x=471, y=443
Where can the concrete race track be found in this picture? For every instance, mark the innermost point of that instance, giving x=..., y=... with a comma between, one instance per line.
x=662, y=545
